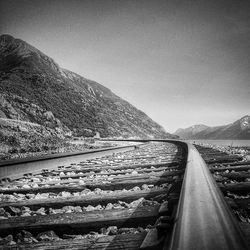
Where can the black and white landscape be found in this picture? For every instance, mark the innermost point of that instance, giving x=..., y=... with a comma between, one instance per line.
x=124, y=124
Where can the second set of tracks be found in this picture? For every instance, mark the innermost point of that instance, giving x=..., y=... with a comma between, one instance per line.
x=159, y=195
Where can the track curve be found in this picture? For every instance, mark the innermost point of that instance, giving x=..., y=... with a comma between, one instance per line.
x=169, y=187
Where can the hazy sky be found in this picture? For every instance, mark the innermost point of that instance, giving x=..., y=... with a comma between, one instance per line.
x=182, y=62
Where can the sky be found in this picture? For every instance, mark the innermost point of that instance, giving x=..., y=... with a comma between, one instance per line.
x=182, y=62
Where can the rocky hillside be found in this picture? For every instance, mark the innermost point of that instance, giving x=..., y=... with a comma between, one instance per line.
x=33, y=88
x=239, y=130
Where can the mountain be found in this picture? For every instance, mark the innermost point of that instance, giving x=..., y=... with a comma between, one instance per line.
x=239, y=130
x=35, y=89
x=190, y=131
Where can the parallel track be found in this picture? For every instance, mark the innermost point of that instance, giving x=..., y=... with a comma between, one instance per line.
x=157, y=196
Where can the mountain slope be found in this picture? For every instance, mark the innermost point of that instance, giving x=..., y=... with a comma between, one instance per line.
x=239, y=130
x=187, y=133
x=34, y=88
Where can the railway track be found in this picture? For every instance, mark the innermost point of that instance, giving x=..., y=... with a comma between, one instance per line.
x=159, y=195
x=232, y=176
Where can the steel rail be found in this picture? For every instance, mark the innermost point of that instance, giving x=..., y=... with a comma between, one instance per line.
x=16, y=168
x=203, y=219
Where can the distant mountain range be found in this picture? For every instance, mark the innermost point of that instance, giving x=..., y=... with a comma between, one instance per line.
x=34, y=89
x=239, y=130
